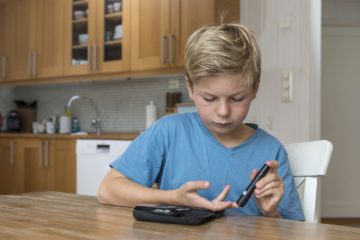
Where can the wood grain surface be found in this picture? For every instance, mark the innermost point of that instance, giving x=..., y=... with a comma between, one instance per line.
x=55, y=215
x=108, y=136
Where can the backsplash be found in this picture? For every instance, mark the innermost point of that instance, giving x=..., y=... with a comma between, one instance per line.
x=122, y=103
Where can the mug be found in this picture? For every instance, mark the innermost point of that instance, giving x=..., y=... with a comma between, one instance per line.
x=50, y=128
x=35, y=127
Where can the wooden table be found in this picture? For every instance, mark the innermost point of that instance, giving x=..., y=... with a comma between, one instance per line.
x=54, y=215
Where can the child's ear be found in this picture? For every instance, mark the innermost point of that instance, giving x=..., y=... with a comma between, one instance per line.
x=189, y=88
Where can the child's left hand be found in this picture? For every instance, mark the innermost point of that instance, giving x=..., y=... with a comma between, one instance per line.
x=269, y=190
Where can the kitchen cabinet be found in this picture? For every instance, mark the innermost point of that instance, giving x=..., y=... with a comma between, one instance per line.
x=37, y=164
x=97, y=36
x=35, y=45
x=30, y=153
x=43, y=40
x=160, y=29
x=48, y=55
x=20, y=52
x=4, y=37
x=62, y=165
x=11, y=170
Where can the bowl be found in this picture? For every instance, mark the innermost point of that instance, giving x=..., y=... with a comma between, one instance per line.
x=79, y=14
x=83, y=38
x=110, y=8
x=117, y=7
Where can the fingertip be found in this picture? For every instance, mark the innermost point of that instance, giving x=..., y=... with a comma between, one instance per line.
x=206, y=184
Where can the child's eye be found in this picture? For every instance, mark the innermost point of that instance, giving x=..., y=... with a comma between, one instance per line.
x=238, y=99
x=209, y=99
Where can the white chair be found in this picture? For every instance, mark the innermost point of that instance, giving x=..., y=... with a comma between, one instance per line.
x=308, y=162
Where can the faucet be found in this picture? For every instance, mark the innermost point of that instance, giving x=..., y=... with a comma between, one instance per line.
x=95, y=123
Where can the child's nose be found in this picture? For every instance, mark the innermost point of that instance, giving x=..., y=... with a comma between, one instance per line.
x=223, y=109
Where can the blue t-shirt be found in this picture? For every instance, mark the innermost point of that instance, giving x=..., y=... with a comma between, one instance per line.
x=179, y=148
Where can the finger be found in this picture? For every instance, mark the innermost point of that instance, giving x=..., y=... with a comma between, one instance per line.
x=253, y=174
x=220, y=206
x=223, y=194
x=273, y=166
x=193, y=186
x=212, y=205
x=275, y=193
x=270, y=177
x=267, y=186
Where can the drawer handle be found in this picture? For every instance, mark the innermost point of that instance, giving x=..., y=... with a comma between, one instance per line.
x=40, y=153
x=29, y=64
x=12, y=160
x=171, y=48
x=3, y=68
x=163, y=49
x=46, y=154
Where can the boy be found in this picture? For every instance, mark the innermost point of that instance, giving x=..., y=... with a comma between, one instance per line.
x=195, y=157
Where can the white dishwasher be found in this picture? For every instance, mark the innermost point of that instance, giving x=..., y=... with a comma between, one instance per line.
x=92, y=162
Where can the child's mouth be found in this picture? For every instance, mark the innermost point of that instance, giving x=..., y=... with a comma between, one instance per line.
x=222, y=125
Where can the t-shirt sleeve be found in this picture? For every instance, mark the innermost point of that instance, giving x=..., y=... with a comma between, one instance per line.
x=142, y=160
x=290, y=205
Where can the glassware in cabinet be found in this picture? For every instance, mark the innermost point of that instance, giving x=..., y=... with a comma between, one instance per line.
x=113, y=30
x=80, y=33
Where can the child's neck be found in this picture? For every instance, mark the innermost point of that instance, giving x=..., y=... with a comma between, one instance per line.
x=237, y=137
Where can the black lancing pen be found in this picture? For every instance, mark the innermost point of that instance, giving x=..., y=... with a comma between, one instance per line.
x=251, y=187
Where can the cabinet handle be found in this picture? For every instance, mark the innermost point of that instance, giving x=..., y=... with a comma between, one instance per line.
x=3, y=67
x=171, y=49
x=46, y=154
x=89, y=57
x=40, y=153
x=29, y=64
x=34, y=65
x=94, y=58
x=163, y=49
x=12, y=162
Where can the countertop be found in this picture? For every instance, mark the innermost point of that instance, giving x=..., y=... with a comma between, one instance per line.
x=55, y=215
x=110, y=136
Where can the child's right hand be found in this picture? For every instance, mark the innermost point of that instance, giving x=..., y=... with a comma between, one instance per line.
x=187, y=195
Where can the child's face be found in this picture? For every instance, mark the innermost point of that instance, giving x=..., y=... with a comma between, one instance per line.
x=222, y=103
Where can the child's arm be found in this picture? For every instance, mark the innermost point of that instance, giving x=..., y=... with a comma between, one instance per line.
x=117, y=189
x=269, y=190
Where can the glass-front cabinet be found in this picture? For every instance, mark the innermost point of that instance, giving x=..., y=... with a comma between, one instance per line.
x=98, y=36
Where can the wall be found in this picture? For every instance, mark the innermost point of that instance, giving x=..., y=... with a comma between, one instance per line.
x=121, y=103
x=298, y=49
x=288, y=33
x=340, y=99
x=6, y=98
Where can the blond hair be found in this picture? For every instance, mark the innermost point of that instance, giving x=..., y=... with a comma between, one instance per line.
x=224, y=49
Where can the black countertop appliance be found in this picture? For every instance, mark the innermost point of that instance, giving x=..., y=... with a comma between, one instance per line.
x=13, y=121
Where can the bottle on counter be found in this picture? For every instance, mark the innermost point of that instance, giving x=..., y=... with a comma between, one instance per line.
x=65, y=122
x=150, y=114
x=75, y=125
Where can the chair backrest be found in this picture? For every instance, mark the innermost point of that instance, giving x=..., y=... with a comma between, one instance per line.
x=308, y=162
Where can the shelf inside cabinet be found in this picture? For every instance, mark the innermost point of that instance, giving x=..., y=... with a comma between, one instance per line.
x=114, y=16
x=79, y=46
x=80, y=2
x=113, y=42
x=80, y=21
